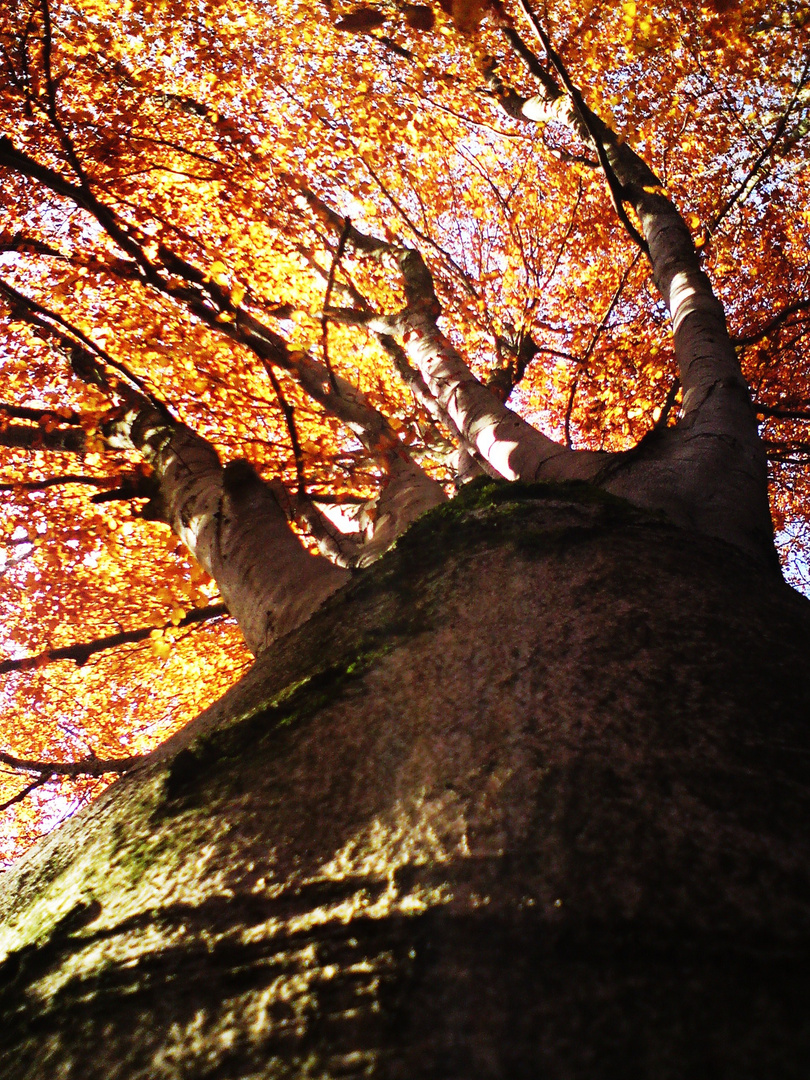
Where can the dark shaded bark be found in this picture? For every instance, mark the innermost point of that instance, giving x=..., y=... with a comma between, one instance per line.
x=526, y=798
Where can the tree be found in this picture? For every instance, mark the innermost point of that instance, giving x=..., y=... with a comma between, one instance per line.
x=434, y=783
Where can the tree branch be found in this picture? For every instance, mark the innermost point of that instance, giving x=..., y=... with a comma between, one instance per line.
x=330, y=283
x=88, y=766
x=26, y=791
x=24, y=412
x=773, y=324
x=669, y=404
x=59, y=481
x=23, y=437
x=288, y=412
x=81, y=652
x=751, y=180
x=591, y=125
x=781, y=412
x=72, y=338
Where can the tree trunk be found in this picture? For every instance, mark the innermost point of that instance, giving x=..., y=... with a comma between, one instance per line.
x=526, y=798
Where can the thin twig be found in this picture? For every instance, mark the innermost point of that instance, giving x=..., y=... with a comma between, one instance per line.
x=26, y=791
x=288, y=412
x=330, y=282
x=568, y=411
x=609, y=310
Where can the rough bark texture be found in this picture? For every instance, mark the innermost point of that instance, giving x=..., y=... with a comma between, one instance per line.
x=527, y=798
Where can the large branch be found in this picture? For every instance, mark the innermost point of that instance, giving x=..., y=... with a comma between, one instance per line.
x=509, y=446
x=508, y=443
x=211, y=302
x=233, y=524
x=710, y=471
x=716, y=396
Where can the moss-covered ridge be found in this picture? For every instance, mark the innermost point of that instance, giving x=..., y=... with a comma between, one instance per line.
x=485, y=512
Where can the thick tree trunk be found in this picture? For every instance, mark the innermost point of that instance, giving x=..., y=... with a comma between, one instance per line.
x=527, y=798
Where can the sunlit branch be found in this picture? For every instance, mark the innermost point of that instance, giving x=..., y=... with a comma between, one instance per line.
x=81, y=652
x=87, y=766
x=475, y=411
x=752, y=178
x=39, y=782
x=715, y=393
x=340, y=548
x=591, y=124
x=384, y=328
x=421, y=391
x=772, y=324
x=370, y=245
x=561, y=154
x=330, y=284
x=472, y=122
x=486, y=422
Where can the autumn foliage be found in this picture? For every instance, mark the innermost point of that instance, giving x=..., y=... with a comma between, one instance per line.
x=156, y=153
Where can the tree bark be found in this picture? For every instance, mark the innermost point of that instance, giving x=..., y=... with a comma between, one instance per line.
x=234, y=525
x=526, y=798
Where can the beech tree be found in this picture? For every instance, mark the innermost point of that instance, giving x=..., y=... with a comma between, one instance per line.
x=409, y=350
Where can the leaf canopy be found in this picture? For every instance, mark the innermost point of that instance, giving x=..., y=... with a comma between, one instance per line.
x=154, y=152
